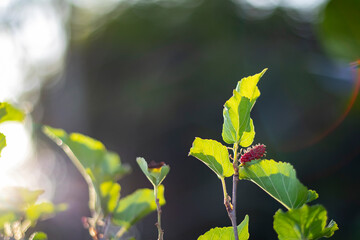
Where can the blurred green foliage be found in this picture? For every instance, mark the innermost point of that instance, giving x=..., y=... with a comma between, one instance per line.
x=19, y=210
x=339, y=29
x=102, y=169
x=8, y=113
x=134, y=207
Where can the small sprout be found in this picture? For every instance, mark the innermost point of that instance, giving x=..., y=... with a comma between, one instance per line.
x=155, y=172
x=252, y=153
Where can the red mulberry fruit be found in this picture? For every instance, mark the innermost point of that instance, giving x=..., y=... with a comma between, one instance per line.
x=252, y=153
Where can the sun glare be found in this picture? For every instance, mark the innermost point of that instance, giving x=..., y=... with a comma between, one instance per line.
x=17, y=151
x=33, y=43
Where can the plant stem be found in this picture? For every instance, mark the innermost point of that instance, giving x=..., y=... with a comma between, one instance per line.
x=105, y=228
x=224, y=190
x=158, y=208
x=234, y=190
x=121, y=232
x=229, y=208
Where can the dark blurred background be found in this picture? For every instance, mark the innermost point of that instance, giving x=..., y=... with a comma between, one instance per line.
x=146, y=77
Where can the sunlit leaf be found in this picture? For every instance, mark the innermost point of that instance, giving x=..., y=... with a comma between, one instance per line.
x=2, y=142
x=155, y=175
x=42, y=211
x=248, y=136
x=237, y=109
x=19, y=204
x=214, y=155
x=111, y=167
x=279, y=180
x=136, y=206
x=100, y=168
x=230, y=131
x=10, y=113
x=18, y=198
x=110, y=194
x=38, y=236
x=228, y=232
x=307, y=222
x=6, y=216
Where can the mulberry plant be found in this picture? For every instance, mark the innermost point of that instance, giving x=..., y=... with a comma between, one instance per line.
x=299, y=221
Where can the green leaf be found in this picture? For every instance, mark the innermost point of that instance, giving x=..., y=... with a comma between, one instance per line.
x=136, y=206
x=279, y=180
x=100, y=168
x=307, y=222
x=110, y=195
x=38, y=236
x=18, y=198
x=43, y=211
x=214, y=155
x=248, y=136
x=2, y=142
x=18, y=203
x=155, y=175
x=228, y=232
x=6, y=217
x=10, y=113
x=237, y=109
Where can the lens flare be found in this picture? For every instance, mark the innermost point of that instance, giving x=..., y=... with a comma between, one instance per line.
x=337, y=122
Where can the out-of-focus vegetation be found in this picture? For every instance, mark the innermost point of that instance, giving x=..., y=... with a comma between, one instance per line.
x=101, y=170
x=339, y=29
x=19, y=207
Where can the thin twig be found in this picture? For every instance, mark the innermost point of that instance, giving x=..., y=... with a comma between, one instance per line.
x=105, y=228
x=158, y=208
x=121, y=232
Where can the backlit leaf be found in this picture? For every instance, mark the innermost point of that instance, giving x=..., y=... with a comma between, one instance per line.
x=228, y=232
x=10, y=113
x=100, y=168
x=214, y=155
x=38, y=236
x=307, y=222
x=2, y=142
x=6, y=216
x=110, y=194
x=19, y=204
x=237, y=109
x=248, y=136
x=42, y=211
x=136, y=206
x=18, y=198
x=279, y=180
x=156, y=175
